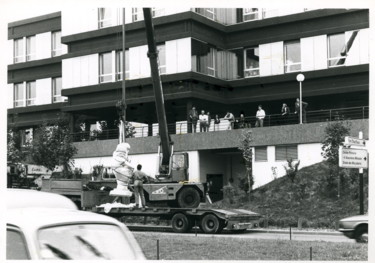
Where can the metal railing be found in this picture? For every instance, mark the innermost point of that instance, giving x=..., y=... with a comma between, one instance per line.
x=184, y=127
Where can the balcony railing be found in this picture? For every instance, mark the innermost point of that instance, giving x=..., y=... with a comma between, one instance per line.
x=182, y=127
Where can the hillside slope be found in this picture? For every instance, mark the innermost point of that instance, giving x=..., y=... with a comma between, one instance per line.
x=309, y=198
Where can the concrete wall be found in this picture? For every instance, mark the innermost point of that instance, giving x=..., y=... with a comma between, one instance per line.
x=210, y=163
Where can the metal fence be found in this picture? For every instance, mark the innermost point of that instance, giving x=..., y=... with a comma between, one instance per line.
x=184, y=127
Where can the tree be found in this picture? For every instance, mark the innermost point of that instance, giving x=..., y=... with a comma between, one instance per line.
x=247, y=155
x=52, y=145
x=291, y=169
x=335, y=133
x=15, y=154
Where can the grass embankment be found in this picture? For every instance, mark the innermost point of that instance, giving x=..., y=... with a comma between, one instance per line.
x=309, y=198
x=173, y=247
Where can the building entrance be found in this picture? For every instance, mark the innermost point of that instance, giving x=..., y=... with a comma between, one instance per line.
x=215, y=185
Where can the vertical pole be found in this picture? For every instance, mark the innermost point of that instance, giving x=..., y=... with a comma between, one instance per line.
x=360, y=171
x=196, y=227
x=157, y=249
x=290, y=232
x=310, y=253
x=123, y=77
x=300, y=102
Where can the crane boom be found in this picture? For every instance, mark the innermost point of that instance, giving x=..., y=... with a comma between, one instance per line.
x=158, y=89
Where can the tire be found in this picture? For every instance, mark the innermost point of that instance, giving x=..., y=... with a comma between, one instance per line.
x=180, y=223
x=188, y=198
x=210, y=224
x=361, y=234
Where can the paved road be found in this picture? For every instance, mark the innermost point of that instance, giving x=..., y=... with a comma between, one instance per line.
x=282, y=235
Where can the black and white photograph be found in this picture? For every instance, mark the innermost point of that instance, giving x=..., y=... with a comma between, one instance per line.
x=158, y=130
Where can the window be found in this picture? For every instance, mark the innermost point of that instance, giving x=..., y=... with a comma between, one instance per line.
x=137, y=14
x=19, y=55
x=261, y=153
x=16, y=247
x=250, y=14
x=30, y=93
x=207, y=12
x=104, y=19
x=251, y=62
x=292, y=56
x=105, y=67
x=19, y=95
x=30, y=48
x=162, y=59
x=285, y=152
x=119, y=65
x=56, y=90
x=56, y=44
x=336, y=50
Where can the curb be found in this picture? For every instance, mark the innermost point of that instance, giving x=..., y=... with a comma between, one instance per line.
x=276, y=231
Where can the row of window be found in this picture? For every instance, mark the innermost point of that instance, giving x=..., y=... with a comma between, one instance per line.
x=25, y=48
x=108, y=74
x=226, y=16
x=282, y=153
x=25, y=93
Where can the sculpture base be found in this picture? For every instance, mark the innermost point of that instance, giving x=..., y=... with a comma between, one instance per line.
x=120, y=192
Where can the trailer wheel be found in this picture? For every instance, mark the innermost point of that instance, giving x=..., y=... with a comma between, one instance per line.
x=210, y=224
x=180, y=223
x=188, y=198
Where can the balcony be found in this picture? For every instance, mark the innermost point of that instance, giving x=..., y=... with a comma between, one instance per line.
x=273, y=120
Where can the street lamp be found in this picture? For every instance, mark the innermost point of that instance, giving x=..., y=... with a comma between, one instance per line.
x=300, y=79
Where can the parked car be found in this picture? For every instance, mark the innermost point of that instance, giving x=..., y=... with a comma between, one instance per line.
x=49, y=226
x=355, y=227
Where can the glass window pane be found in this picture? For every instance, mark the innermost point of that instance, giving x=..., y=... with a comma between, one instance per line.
x=16, y=246
x=18, y=50
x=19, y=95
x=85, y=241
x=105, y=15
x=292, y=52
x=261, y=153
x=56, y=89
x=250, y=14
x=162, y=59
x=336, y=49
x=30, y=93
x=56, y=43
x=30, y=48
x=252, y=62
x=105, y=67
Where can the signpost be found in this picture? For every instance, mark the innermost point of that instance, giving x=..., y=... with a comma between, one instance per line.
x=355, y=158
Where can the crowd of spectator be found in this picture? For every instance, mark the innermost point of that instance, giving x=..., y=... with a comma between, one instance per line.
x=286, y=117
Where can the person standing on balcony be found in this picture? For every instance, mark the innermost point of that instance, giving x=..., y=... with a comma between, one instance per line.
x=230, y=117
x=297, y=110
x=203, y=119
x=193, y=119
x=208, y=121
x=285, y=111
x=260, y=115
x=216, y=123
x=242, y=122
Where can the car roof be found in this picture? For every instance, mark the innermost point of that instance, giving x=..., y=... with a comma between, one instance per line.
x=35, y=217
x=23, y=198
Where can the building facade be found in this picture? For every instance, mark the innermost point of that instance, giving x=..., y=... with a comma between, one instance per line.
x=217, y=60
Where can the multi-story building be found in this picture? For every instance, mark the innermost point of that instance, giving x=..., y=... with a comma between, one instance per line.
x=217, y=60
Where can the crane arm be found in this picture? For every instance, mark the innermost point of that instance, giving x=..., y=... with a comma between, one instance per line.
x=158, y=89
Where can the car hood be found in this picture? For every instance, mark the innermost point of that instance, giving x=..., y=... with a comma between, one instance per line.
x=356, y=218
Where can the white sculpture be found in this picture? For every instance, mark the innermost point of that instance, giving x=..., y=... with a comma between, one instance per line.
x=123, y=171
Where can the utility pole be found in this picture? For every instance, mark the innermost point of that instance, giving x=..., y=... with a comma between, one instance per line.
x=123, y=104
x=360, y=171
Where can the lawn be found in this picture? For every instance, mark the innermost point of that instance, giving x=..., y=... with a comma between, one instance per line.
x=180, y=247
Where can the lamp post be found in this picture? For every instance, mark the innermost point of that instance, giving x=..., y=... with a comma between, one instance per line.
x=300, y=79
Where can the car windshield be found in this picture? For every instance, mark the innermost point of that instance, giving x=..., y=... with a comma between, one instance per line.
x=84, y=241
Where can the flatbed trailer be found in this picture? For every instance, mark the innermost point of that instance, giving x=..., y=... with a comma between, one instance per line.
x=210, y=221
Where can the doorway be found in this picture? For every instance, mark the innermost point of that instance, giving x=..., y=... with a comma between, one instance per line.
x=215, y=185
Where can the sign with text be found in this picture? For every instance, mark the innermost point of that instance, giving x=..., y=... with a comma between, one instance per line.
x=354, y=141
x=353, y=158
